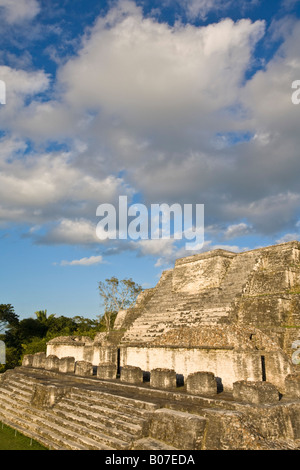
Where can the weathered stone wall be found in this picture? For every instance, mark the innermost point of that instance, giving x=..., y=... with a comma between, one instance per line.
x=228, y=365
x=200, y=272
x=104, y=354
x=259, y=288
x=81, y=348
x=125, y=318
x=183, y=430
x=235, y=315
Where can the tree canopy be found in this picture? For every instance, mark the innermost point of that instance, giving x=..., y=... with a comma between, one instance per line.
x=117, y=295
x=30, y=335
x=8, y=317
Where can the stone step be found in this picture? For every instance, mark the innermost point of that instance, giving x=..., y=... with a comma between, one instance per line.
x=20, y=392
x=47, y=425
x=26, y=432
x=152, y=444
x=10, y=400
x=41, y=434
x=116, y=401
x=168, y=308
x=68, y=426
x=87, y=406
x=99, y=419
x=112, y=433
x=94, y=439
x=22, y=382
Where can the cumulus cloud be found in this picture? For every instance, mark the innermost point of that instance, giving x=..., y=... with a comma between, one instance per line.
x=201, y=8
x=288, y=237
x=17, y=11
x=50, y=187
x=140, y=108
x=92, y=260
x=237, y=230
x=71, y=232
x=176, y=73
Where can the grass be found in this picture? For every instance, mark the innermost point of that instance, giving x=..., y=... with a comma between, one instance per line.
x=10, y=439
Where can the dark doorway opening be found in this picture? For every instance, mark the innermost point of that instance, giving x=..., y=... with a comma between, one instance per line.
x=118, y=361
x=263, y=368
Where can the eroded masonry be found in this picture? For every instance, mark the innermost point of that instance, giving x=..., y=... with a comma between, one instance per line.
x=208, y=355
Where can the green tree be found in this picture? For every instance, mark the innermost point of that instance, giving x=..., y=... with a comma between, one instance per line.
x=31, y=327
x=117, y=295
x=8, y=318
x=9, y=333
x=42, y=316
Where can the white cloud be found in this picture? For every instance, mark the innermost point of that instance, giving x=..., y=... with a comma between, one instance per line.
x=50, y=186
x=155, y=247
x=289, y=237
x=200, y=8
x=167, y=73
x=21, y=86
x=237, y=230
x=71, y=232
x=17, y=11
x=84, y=261
x=146, y=100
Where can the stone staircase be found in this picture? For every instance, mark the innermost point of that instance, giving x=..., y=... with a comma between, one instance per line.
x=111, y=416
x=168, y=309
x=82, y=420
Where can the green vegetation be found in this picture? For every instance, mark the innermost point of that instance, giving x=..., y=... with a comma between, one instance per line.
x=13, y=440
x=31, y=335
x=117, y=295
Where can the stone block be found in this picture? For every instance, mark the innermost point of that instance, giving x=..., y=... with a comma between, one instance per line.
x=107, y=371
x=255, y=392
x=131, y=374
x=39, y=360
x=27, y=360
x=163, y=378
x=67, y=365
x=46, y=396
x=184, y=431
x=292, y=385
x=52, y=363
x=83, y=368
x=201, y=383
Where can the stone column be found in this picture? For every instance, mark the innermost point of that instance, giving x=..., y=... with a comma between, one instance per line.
x=67, y=365
x=163, y=378
x=107, y=371
x=39, y=360
x=201, y=383
x=131, y=374
x=83, y=368
x=52, y=363
x=27, y=360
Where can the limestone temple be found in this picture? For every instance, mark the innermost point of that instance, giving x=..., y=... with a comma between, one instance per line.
x=205, y=360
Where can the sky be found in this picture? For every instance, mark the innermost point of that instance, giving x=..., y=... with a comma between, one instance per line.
x=164, y=102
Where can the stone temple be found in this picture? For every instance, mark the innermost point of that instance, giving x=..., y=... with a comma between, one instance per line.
x=208, y=359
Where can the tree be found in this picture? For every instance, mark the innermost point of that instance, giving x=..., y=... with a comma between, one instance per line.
x=117, y=295
x=42, y=316
x=8, y=317
x=9, y=333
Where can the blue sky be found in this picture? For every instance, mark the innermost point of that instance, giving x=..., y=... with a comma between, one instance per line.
x=168, y=101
